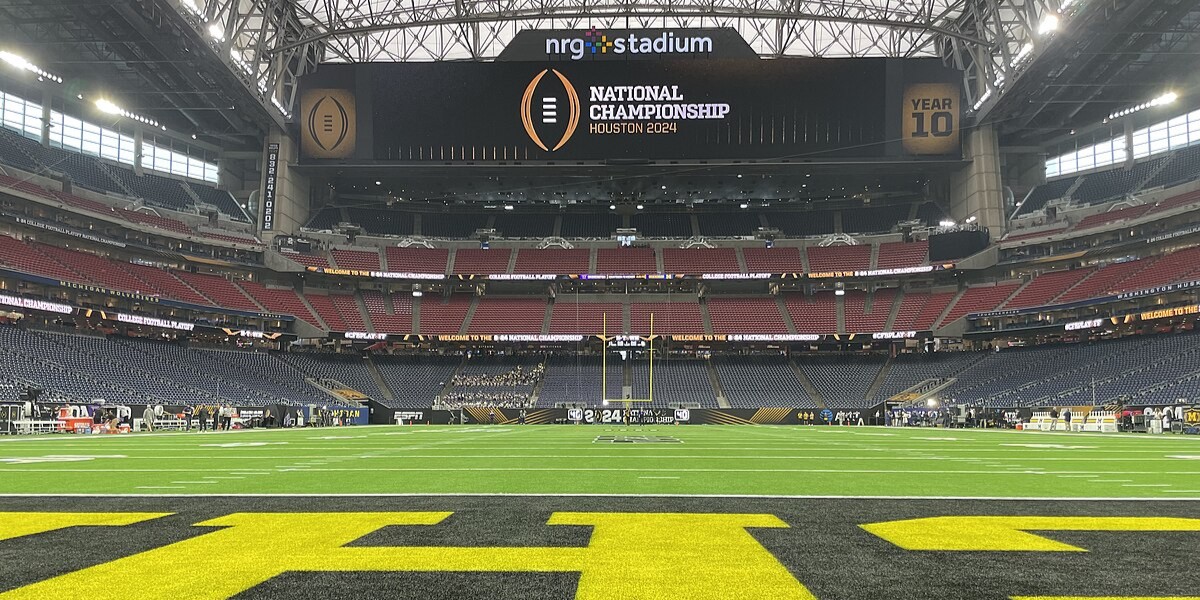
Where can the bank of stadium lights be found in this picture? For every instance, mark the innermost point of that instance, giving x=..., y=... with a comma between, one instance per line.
x=216, y=32
x=1048, y=25
x=287, y=114
x=1164, y=99
x=1023, y=55
x=19, y=62
x=108, y=107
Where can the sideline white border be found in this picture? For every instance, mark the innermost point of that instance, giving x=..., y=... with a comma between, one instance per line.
x=537, y=495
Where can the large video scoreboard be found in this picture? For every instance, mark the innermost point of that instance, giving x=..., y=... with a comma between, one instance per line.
x=686, y=107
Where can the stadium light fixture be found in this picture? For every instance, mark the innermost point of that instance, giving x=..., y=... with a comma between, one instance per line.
x=1167, y=98
x=216, y=32
x=508, y=207
x=109, y=107
x=1025, y=52
x=744, y=205
x=612, y=207
x=641, y=207
x=1048, y=25
x=972, y=219
x=839, y=292
x=947, y=223
x=19, y=62
x=191, y=6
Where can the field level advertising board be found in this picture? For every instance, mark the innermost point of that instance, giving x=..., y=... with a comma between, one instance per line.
x=787, y=109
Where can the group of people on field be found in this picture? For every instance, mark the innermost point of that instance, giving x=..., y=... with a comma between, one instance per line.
x=216, y=416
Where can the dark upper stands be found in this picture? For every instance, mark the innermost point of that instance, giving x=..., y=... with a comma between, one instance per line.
x=1183, y=166
x=513, y=224
x=452, y=226
x=728, y=224
x=678, y=225
x=589, y=225
x=800, y=224
x=875, y=219
x=109, y=177
x=1046, y=192
x=376, y=221
x=1114, y=183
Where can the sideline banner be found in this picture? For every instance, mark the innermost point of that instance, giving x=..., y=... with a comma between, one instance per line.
x=616, y=415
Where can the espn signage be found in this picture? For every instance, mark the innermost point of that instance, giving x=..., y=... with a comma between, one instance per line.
x=270, y=183
x=571, y=104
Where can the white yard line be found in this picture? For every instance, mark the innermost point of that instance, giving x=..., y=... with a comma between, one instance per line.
x=601, y=469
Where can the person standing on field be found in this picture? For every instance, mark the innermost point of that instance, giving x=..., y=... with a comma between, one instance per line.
x=148, y=418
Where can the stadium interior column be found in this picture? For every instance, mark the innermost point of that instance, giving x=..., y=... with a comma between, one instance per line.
x=975, y=189
x=292, y=205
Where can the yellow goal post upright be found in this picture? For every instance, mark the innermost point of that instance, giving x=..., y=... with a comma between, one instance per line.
x=604, y=366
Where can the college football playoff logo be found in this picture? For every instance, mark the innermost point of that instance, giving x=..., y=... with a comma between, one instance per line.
x=557, y=110
x=328, y=124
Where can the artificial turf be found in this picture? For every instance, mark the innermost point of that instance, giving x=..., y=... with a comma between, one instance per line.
x=671, y=460
x=823, y=546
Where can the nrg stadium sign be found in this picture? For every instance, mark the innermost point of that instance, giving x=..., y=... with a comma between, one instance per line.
x=570, y=45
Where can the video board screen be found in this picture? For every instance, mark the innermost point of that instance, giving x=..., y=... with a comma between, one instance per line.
x=693, y=110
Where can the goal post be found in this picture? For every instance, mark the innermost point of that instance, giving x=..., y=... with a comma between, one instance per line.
x=604, y=339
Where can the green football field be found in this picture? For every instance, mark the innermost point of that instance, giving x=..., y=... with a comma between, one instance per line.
x=598, y=512
x=598, y=459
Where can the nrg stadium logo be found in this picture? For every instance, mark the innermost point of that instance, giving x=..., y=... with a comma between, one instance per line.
x=596, y=44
